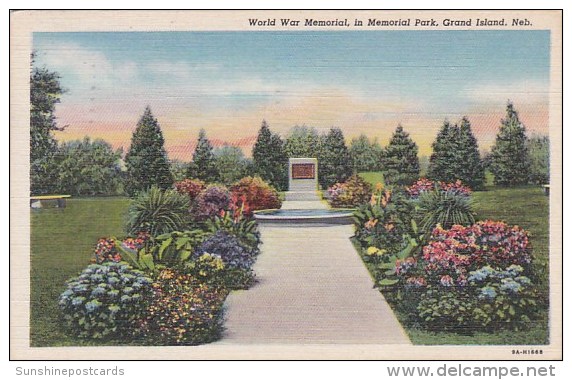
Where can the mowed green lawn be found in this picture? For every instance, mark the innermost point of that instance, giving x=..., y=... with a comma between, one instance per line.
x=62, y=243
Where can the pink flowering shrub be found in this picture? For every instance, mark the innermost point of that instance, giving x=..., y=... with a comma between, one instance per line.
x=424, y=184
x=106, y=251
x=459, y=249
x=450, y=254
x=472, y=276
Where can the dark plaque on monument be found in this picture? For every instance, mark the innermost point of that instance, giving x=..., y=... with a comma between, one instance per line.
x=302, y=171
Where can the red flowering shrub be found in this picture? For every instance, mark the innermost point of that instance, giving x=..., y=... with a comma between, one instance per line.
x=190, y=187
x=137, y=243
x=106, y=248
x=251, y=194
x=106, y=251
x=424, y=184
x=353, y=192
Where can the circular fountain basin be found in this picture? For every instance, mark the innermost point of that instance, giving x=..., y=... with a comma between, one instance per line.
x=308, y=216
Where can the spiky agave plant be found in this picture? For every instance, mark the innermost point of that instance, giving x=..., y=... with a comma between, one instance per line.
x=445, y=208
x=158, y=212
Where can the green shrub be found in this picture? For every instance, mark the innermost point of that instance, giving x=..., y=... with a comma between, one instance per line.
x=244, y=229
x=106, y=300
x=171, y=249
x=446, y=309
x=446, y=208
x=383, y=222
x=158, y=212
x=351, y=193
x=183, y=311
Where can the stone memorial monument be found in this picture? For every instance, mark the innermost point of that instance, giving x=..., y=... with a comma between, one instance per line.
x=303, y=174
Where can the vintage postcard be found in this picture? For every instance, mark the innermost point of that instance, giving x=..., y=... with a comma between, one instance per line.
x=286, y=185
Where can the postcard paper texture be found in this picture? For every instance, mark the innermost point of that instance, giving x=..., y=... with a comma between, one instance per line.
x=286, y=185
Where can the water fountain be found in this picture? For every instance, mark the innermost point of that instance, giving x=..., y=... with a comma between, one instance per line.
x=303, y=204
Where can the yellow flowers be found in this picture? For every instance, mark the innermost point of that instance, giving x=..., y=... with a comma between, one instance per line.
x=374, y=251
x=211, y=261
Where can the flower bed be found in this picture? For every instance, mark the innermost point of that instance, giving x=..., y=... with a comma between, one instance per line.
x=168, y=288
x=424, y=185
x=470, y=278
x=473, y=277
x=182, y=311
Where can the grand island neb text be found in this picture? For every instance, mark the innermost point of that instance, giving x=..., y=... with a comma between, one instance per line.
x=375, y=22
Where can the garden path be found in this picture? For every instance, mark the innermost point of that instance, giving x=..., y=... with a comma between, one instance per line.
x=313, y=288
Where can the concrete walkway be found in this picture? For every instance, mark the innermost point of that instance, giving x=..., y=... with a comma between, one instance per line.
x=313, y=288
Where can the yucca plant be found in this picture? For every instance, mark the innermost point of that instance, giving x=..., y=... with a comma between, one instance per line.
x=158, y=212
x=446, y=208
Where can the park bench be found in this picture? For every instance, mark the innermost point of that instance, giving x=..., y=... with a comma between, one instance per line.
x=36, y=201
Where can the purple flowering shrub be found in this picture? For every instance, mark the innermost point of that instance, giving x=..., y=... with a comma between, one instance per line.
x=212, y=201
x=226, y=246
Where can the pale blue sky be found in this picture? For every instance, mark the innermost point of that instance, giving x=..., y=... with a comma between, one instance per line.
x=210, y=79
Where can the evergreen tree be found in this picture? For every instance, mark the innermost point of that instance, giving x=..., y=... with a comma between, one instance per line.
x=146, y=161
x=400, y=161
x=334, y=163
x=456, y=156
x=365, y=155
x=203, y=166
x=302, y=141
x=45, y=92
x=442, y=160
x=270, y=159
x=509, y=155
x=470, y=169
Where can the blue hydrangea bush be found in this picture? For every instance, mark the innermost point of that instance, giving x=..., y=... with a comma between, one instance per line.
x=105, y=300
x=229, y=249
